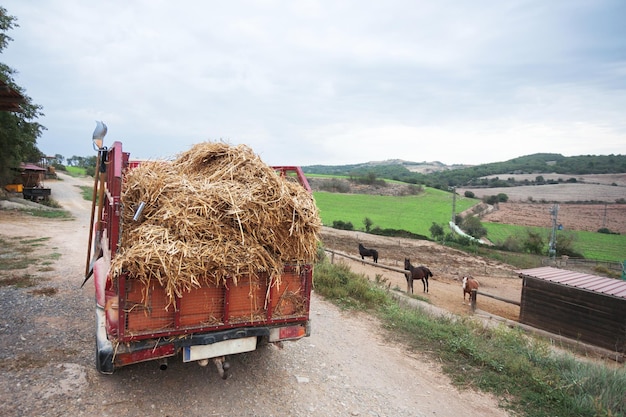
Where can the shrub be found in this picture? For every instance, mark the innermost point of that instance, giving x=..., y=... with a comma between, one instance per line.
x=511, y=244
x=335, y=185
x=473, y=227
x=397, y=233
x=413, y=189
x=436, y=231
x=490, y=199
x=565, y=245
x=607, y=231
x=534, y=243
x=469, y=194
x=367, y=222
x=340, y=224
x=369, y=179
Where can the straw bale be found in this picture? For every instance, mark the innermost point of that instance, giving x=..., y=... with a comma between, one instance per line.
x=215, y=212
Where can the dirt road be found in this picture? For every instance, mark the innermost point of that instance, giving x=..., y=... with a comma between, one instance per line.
x=346, y=368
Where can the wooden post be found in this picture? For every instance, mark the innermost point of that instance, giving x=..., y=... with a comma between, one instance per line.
x=473, y=300
x=94, y=197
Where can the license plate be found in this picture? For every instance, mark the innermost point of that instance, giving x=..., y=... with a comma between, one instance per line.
x=227, y=347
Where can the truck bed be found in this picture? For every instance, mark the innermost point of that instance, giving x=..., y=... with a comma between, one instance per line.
x=146, y=312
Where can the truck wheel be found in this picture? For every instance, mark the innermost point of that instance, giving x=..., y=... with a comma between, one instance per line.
x=104, y=360
x=262, y=341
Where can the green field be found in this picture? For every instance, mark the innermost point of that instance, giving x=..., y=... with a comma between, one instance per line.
x=75, y=171
x=598, y=246
x=417, y=213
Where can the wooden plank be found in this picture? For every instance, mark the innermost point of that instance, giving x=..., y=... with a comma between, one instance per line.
x=495, y=297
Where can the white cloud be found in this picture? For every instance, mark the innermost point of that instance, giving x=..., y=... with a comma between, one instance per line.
x=321, y=82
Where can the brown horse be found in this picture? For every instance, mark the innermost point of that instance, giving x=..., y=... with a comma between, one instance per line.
x=416, y=272
x=469, y=284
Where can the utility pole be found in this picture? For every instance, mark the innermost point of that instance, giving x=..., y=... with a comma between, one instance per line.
x=554, y=211
x=453, y=205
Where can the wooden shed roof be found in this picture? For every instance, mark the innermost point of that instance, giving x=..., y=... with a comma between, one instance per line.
x=10, y=99
x=31, y=167
x=602, y=285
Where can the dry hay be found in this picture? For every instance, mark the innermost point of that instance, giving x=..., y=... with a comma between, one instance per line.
x=214, y=213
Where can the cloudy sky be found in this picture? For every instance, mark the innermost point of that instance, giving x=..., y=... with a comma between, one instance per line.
x=327, y=82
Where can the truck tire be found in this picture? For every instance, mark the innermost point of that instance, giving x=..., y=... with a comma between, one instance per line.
x=104, y=360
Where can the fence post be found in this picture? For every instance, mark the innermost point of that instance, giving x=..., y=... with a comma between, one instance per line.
x=473, y=300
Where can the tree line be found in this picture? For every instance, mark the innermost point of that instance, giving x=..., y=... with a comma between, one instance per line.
x=20, y=130
x=540, y=163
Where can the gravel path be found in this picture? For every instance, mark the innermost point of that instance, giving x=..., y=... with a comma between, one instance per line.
x=346, y=368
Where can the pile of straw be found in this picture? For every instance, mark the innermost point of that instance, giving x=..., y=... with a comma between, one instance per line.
x=215, y=212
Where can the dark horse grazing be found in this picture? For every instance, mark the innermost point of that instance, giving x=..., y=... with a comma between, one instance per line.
x=363, y=251
x=416, y=272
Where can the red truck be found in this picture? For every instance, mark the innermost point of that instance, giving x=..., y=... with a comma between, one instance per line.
x=135, y=322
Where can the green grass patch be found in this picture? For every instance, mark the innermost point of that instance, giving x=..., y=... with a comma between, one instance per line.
x=340, y=284
x=523, y=371
x=75, y=171
x=597, y=246
x=16, y=254
x=48, y=214
x=601, y=246
x=414, y=213
x=87, y=192
x=39, y=241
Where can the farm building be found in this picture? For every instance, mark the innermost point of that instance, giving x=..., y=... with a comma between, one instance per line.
x=584, y=307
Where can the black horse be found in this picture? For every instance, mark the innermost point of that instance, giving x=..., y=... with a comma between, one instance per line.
x=416, y=272
x=363, y=251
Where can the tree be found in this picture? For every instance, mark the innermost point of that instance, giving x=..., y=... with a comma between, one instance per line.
x=368, y=224
x=565, y=245
x=534, y=243
x=473, y=227
x=20, y=131
x=436, y=231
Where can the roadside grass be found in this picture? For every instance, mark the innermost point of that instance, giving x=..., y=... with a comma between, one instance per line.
x=86, y=191
x=17, y=256
x=416, y=214
x=49, y=214
x=521, y=370
x=46, y=212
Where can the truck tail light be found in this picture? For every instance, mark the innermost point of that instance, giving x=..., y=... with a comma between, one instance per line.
x=289, y=332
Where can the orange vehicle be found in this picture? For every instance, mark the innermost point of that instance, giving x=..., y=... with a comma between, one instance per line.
x=135, y=320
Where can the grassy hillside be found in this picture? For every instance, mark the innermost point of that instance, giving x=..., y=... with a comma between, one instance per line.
x=416, y=214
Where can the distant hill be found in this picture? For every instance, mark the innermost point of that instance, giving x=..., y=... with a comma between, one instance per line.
x=419, y=167
x=438, y=175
